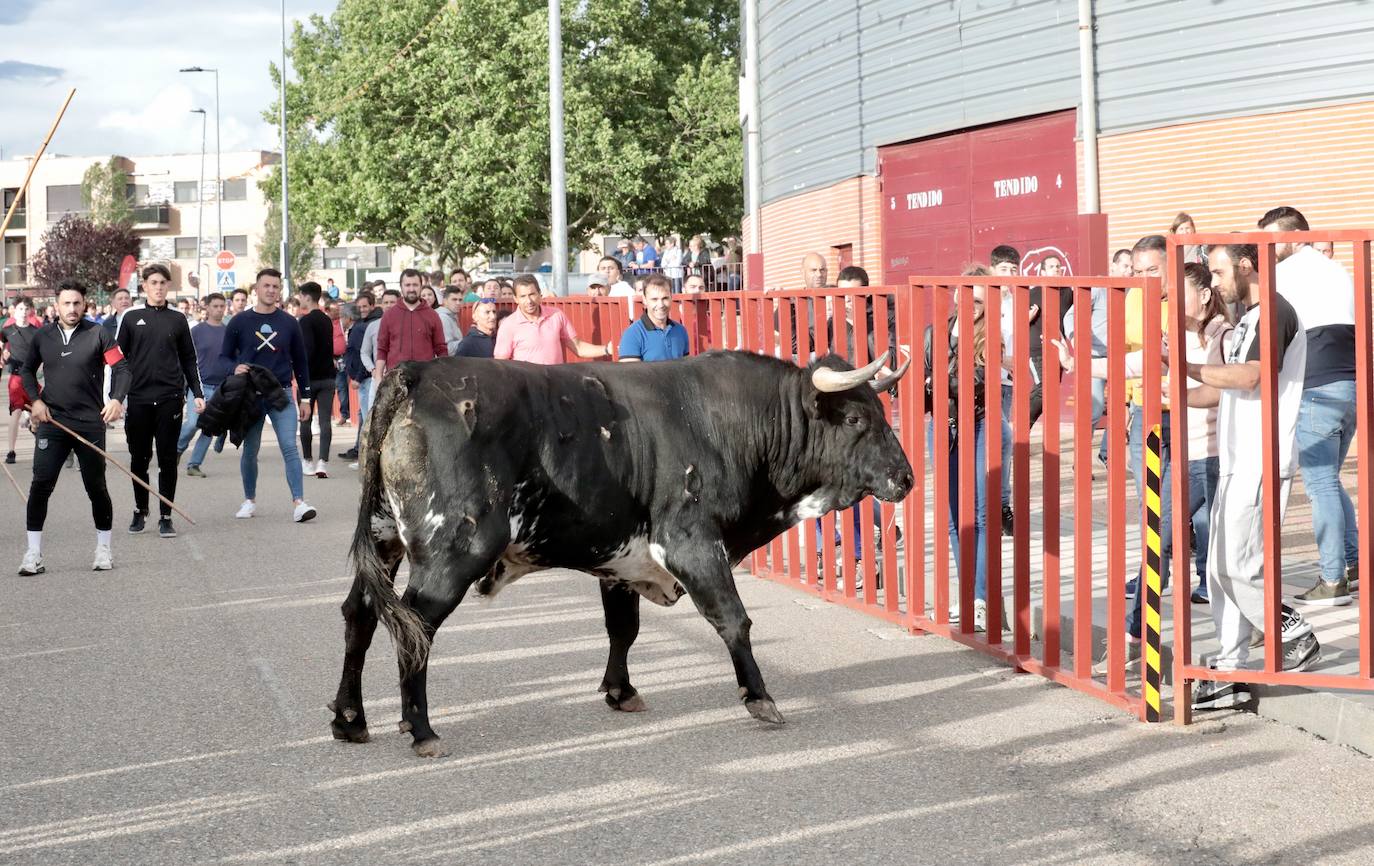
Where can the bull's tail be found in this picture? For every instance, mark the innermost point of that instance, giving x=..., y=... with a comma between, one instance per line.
x=376, y=521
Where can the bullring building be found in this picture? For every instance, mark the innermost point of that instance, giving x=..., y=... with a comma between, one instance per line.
x=912, y=136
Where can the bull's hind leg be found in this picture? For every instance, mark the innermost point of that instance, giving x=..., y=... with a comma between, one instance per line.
x=701, y=567
x=441, y=570
x=621, y=605
x=360, y=622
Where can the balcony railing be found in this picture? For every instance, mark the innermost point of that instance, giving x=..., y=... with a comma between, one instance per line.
x=152, y=216
x=18, y=221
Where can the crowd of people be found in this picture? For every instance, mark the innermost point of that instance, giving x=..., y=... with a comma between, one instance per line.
x=186, y=377
x=1315, y=401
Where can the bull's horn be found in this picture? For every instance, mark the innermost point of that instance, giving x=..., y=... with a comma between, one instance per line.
x=832, y=381
x=882, y=383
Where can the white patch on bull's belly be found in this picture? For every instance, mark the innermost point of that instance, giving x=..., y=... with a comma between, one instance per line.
x=812, y=506
x=642, y=566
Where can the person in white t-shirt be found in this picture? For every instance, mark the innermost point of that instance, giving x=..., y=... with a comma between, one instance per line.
x=1235, y=558
x=1324, y=296
x=610, y=270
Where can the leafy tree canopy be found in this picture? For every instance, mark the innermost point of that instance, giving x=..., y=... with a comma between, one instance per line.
x=425, y=122
x=75, y=248
x=105, y=189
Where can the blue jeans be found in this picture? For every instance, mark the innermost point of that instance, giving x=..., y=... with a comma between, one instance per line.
x=1134, y=444
x=284, y=425
x=1326, y=424
x=1202, y=487
x=188, y=428
x=1100, y=409
x=364, y=403
x=980, y=502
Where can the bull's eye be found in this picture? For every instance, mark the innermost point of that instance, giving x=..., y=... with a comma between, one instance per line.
x=853, y=420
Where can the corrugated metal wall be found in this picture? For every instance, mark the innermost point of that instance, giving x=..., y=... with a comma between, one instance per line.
x=839, y=78
x=1166, y=62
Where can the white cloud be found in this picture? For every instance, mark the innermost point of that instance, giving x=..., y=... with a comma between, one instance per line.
x=130, y=98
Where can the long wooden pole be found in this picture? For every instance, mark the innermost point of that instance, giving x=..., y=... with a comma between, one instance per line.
x=139, y=481
x=17, y=488
x=33, y=163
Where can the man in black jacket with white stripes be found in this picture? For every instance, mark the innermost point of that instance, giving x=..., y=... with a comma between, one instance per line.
x=156, y=340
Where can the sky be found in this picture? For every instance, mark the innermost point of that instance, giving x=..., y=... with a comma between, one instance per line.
x=122, y=57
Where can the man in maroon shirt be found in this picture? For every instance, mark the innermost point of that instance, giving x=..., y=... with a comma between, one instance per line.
x=410, y=330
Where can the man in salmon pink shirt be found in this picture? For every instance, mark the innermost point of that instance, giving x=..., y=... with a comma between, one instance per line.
x=538, y=335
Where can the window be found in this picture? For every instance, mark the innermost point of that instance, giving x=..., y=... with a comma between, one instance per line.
x=383, y=257
x=16, y=269
x=236, y=244
x=185, y=248
x=236, y=189
x=65, y=199
x=186, y=191
x=145, y=249
x=336, y=258
x=136, y=192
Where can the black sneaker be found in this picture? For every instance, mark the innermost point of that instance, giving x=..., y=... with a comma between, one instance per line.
x=1352, y=573
x=1302, y=653
x=9, y=457
x=1213, y=695
x=1200, y=595
x=138, y=524
x=350, y=454
x=165, y=528
x=1008, y=520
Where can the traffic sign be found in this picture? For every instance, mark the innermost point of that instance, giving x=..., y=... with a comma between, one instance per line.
x=224, y=280
x=225, y=260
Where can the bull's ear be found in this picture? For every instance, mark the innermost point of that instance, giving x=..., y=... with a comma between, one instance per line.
x=813, y=402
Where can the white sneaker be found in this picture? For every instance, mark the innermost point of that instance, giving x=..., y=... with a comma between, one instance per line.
x=303, y=513
x=322, y=469
x=246, y=509
x=307, y=467
x=32, y=564
x=104, y=560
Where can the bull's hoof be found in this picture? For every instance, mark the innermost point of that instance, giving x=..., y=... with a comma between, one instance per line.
x=431, y=748
x=764, y=710
x=348, y=725
x=632, y=702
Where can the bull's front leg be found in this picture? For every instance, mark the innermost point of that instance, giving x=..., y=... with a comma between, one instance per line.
x=702, y=568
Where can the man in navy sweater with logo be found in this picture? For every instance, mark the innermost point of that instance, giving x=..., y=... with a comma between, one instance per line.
x=269, y=337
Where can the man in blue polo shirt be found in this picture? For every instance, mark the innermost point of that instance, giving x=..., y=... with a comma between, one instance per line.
x=654, y=336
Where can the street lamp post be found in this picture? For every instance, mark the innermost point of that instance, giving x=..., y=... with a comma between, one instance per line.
x=353, y=257
x=558, y=211
x=200, y=199
x=285, y=266
x=219, y=178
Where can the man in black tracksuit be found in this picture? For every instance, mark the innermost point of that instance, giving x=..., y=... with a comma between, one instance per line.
x=156, y=340
x=73, y=353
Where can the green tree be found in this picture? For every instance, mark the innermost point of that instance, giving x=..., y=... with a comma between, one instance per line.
x=425, y=122
x=105, y=189
x=300, y=247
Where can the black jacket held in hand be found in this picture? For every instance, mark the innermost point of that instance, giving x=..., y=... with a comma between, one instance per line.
x=237, y=405
x=156, y=341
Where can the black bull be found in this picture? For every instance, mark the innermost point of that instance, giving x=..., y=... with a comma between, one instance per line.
x=655, y=478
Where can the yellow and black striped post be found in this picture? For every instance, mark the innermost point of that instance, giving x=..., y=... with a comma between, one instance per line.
x=1153, y=471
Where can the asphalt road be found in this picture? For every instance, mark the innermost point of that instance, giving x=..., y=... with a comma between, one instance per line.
x=172, y=712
